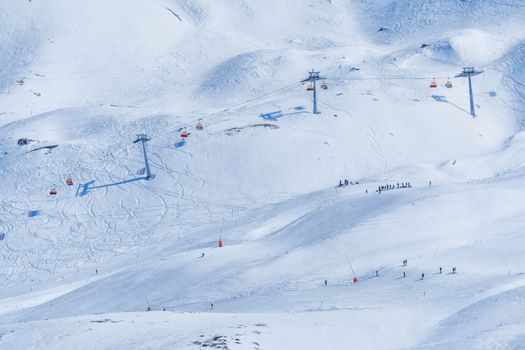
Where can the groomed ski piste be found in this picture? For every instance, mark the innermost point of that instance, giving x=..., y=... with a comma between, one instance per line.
x=113, y=260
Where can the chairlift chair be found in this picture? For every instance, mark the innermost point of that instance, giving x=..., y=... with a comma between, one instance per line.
x=53, y=192
x=324, y=85
x=433, y=84
x=199, y=125
x=69, y=182
x=448, y=84
x=310, y=88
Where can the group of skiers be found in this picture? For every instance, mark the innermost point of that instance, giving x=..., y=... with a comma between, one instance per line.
x=405, y=263
x=346, y=182
x=393, y=187
x=440, y=272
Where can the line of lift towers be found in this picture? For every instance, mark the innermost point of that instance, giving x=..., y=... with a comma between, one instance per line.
x=313, y=78
x=468, y=72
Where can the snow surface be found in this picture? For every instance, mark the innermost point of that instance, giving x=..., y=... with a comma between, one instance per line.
x=79, y=269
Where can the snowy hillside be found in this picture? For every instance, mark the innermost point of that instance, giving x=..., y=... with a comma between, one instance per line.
x=88, y=244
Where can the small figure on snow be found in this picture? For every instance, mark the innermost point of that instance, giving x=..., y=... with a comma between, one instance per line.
x=211, y=306
x=453, y=270
x=377, y=273
x=422, y=276
x=202, y=255
x=405, y=262
x=440, y=270
x=325, y=283
x=404, y=274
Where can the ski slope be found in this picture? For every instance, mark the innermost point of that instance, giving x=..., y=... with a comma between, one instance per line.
x=80, y=80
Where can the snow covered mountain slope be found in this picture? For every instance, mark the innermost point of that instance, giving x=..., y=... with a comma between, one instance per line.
x=80, y=79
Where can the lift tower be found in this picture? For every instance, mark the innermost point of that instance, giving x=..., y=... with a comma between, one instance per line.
x=469, y=72
x=313, y=78
x=144, y=138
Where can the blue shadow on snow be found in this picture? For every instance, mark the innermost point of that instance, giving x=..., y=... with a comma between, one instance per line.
x=440, y=98
x=274, y=116
x=88, y=186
